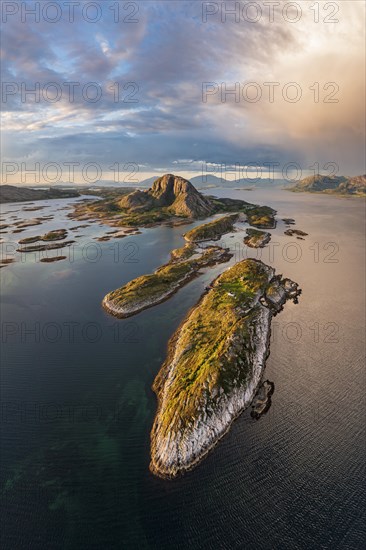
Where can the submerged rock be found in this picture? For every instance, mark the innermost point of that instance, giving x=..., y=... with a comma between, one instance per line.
x=292, y=232
x=262, y=399
x=42, y=247
x=54, y=235
x=54, y=259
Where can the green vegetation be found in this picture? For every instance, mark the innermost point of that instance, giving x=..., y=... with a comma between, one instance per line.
x=183, y=253
x=151, y=217
x=148, y=290
x=212, y=230
x=171, y=199
x=13, y=193
x=148, y=287
x=203, y=360
x=334, y=185
x=261, y=216
x=29, y=240
x=256, y=238
x=55, y=235
x=40, y=247
x=109, y=209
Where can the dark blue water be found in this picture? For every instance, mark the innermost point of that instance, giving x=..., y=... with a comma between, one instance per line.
x=77, y=407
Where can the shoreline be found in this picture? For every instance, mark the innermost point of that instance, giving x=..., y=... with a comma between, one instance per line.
x=196, y=269
x=190, y=421
x=198, y=459
x=120, y=314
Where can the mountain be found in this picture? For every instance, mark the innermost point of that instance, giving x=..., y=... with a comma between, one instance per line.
x=200, y=182
x=12, y=193
x=172, y=192
x=207, y=181
x=147, y=182
x=342, y=185
x=354, y=185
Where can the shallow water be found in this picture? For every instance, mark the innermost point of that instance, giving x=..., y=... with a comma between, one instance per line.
x=77, y=405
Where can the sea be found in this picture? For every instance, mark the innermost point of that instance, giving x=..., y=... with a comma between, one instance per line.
x=77, y=405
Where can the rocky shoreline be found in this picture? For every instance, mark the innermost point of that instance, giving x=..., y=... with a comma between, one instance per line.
x=150, y=290
x=256, y=238
x=172, y=200
x=215, y=362
x=212, y=231
x=262, y=400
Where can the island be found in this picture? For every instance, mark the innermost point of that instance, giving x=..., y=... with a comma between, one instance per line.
x=288, y=221
x=13, y=193
x=52, y=260
x=212, y=231
x=172, y=200
x=54, y=235
x=214, y=365
x=262, y=400
x=256, y=238
x=149, y=290
x=43, y=247
x=295, y=232
x=335, y=185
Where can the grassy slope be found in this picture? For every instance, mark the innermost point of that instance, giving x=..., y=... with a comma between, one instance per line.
x=261, y=216
x=211, y=230
x=152, y=286
x=109, y=208
x=183, y=253
x=203, y=342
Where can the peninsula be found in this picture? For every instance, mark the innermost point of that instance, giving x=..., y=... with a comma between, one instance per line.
x=214, y=365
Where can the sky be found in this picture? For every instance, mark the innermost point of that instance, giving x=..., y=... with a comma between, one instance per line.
x=126, y=90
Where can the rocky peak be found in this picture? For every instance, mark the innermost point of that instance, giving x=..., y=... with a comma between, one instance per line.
x=172, y=192
x=170, y=186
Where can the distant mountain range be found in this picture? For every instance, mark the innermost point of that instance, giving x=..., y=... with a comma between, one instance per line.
x=11, y=193
x=211, y=181
x=341, y=185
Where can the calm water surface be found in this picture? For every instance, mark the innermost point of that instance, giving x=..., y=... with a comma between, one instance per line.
x=77, y=407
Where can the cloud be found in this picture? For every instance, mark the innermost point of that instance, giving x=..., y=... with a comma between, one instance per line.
x=168, y=54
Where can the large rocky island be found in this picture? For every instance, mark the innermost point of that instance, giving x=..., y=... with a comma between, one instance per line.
x=214, y=365
x=171, y=200
x=336, y=185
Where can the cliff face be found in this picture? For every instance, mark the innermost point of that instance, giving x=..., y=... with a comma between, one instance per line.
x=215, y=362
x=173, y=192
